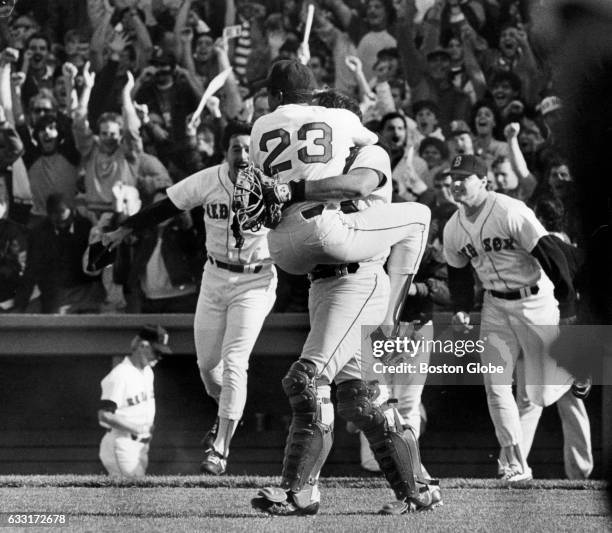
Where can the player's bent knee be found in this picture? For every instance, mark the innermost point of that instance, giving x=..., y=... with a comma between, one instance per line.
x=300, y=387
x=357, y=404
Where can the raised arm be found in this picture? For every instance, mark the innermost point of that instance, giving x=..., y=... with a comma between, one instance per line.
x=98, y=41
x=143, y=39
x=472, y=67
x=233, y=100
x=132, y=123
x=527, y=182
x=341, y=11
x=8, y=57
x=355, y=66
x=180, y=23
x=412, y=60
x=83, y=136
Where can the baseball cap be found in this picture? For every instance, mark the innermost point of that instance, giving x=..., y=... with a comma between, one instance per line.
x=466, y=165
x=459, y=127
x=290, y=76
x=549, y=104
x=157, y=336
x=159, y=58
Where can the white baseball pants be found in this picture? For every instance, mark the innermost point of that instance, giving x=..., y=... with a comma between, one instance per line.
x=577, y=451
x=408, y=388
x=297, y=245
x=512, y=327
x=229, y=315
x=122, y=456
x=338, y=307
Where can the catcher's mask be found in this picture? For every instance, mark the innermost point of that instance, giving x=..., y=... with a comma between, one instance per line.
x=248, y=202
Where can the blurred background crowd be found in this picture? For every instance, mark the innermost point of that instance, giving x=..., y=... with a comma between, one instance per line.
x=96, y=121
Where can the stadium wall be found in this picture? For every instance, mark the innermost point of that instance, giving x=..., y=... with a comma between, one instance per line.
x=49, y=388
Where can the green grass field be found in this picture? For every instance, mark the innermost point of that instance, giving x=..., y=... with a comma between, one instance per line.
x=348, y=504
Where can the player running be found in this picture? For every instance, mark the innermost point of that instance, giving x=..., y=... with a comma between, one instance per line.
x=528, y=287
x=238, y=286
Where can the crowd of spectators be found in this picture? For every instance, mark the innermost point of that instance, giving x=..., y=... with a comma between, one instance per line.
x=96, y=105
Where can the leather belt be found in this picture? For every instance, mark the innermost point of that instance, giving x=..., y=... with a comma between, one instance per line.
x=347, y=206
x=253, y=269
x=516, y=295
x=330, y=271
x=313, y=211
x=144, y=440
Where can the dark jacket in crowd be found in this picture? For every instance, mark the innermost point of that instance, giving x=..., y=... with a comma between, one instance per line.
x=13, y=249
x=181, y=250
x=54, y=261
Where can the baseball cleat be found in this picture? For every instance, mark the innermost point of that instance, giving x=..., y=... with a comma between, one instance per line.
x=429, y=498
x=581, y=388
x=209, y=439
x=278, y=502
x=514, y=473
x=214, y=463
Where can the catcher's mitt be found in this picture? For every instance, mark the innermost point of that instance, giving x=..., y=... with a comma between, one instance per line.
x=249, y=204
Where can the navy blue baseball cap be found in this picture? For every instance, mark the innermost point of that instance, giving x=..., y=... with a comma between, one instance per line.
x=157, y=336
x=464, y=166
x=290, y=76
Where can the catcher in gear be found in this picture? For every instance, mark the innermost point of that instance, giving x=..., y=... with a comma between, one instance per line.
x=343, y=299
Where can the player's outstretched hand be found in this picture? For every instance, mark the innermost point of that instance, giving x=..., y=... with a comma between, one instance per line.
x=461, y=322
x=113, y=238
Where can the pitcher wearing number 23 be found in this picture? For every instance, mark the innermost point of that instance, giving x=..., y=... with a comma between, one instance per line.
x=305, y=147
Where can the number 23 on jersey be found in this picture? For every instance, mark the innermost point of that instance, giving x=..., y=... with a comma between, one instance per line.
x=322, y=138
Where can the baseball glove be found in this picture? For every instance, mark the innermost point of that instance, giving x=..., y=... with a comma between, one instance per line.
x=249, y=203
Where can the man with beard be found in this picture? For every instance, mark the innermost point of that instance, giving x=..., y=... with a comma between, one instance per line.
x=167, y=92
x=237, y=291
x=52, y=165
x=405, y=163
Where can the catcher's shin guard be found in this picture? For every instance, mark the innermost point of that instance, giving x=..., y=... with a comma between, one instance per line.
x=395, y=447
x=310, y=434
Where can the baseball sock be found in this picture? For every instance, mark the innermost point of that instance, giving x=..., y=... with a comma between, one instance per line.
x=400, y=283
x=225, y=433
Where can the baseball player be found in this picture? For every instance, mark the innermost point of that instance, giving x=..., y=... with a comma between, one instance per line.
x=127, y=405
x=238, y=286
x=301, y=144
x=528, y=287
x=342, y=299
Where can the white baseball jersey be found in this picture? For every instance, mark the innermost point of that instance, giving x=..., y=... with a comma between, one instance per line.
x=131, y=389
x=498, y=243
x=302, y=142
x=374, y=157
x=213, y=189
